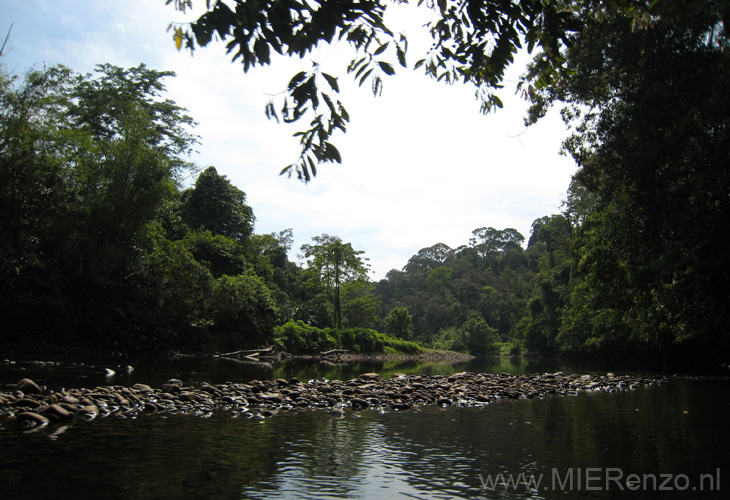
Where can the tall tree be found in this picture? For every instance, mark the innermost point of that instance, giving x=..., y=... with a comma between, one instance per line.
x=88, y=169
x=650, y=110
x=335, y=263
x=218, y=206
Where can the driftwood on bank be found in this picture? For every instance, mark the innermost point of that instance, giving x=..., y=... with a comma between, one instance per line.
x=252, y=354
x=334, y=353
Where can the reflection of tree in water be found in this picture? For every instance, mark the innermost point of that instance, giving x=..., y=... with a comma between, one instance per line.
x=339, y=448
x=326, y=460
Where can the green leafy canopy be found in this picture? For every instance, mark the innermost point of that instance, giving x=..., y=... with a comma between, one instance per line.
x=472, y=42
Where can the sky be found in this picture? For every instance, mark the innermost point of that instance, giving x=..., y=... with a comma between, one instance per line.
x=420, y=164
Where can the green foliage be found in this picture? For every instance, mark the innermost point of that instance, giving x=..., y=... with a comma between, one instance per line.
x=449, y=339
x=515, y=349
x=398, y=323
x=479, y=337
x=334, y=263
x=360, y=305
x=296, y=337
x=89, y=167
x=440, y=287
x=650, y=195
x=219, y=254
x=473, y=42
x=98, y=245
x=241, y=308
x=218, y=206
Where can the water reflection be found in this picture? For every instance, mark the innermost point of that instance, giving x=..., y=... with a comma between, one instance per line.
x=432, y=453
x=193, y=370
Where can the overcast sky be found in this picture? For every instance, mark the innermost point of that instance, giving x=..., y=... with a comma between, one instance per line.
x=420, y=166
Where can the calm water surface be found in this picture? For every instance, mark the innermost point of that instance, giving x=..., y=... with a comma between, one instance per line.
x=586, y=446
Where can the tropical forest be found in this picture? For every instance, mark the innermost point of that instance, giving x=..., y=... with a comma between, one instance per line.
x=112, y=240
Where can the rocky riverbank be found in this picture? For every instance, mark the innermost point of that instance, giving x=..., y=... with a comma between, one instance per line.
x=33, y=407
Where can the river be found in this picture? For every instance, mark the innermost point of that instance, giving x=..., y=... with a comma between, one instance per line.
x=661, y=441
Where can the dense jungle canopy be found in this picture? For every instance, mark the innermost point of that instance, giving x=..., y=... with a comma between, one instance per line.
x=101, y=244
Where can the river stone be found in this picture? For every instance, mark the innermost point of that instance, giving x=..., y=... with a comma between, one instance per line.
x=170, y=388
x=359, y=404
x=337, y=412
x=27, y=386
x=89, y=412
x=188, y=396
x=26, y=403
x=142, y=388
x=29, y=420
x=57, y=412
x=369, y=376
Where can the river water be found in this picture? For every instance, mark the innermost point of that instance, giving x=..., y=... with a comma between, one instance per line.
x=662, y=441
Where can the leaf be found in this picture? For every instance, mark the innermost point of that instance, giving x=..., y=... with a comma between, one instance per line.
x=286, y=170
x=364, y=77
x=332, y=81
x=377, y=86
x=401, y=57
x=354, y=64
x=381, y=49
x=271, y=112
x=296, y=80
x=332, y=152
x=387, y=68
x=178, y=38
x=261, y=48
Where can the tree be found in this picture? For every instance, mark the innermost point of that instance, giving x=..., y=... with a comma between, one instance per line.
x=399, y=322
x=335, y=263
x=360, y=305
x=479, y=337
x=649, y=107
x=489, y=240
x=242, y=310
x=473, y=42
x=88, y=168
x=103, y=104
x=430, y=257
x=220, y=255
x=219, y=206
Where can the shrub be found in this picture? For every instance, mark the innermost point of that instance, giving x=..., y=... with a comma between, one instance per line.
x=296, y=337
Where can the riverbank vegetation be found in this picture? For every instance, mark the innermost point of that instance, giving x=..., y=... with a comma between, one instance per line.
x=105, y=242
